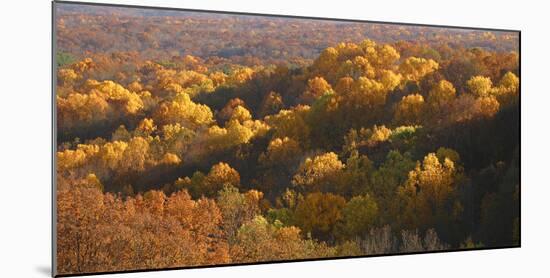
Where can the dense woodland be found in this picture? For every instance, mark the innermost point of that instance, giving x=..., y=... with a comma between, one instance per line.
x=190, y=139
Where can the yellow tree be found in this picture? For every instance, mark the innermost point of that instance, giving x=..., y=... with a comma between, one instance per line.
x=319, y=173
x=316, y=87
x=365, y=137
x=414, y=69
x=116, y=94
x=220, y=174
x=486, y=106
x=441, y=95
x=145, y=127
x=239, y=76
x=261, y=241
x=410, y=110
x=480, y=86
x=291, y=123
x=225, y=114
x=428, y=195
x=327, y=62
x=509, y=82
x=508, y=89
x=136, y=155
x=184, y=111
x=344, y=85
x=67, y=77
x=240, y=114
x=280, y=151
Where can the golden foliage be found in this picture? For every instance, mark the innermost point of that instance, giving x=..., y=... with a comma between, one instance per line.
x=102, y=101
x=410, y=110
x=442, y=94
x=414, y=69
x=428, y=190
x=319, y=171
x=480, y=86
x=129, y=123
x=291, y=123
x=220, y=174
x=259, y=240
x=170, y=158
x=319, y=212
x=184, y=111
x=316, y=87
x=240, y=114
x=280, y=151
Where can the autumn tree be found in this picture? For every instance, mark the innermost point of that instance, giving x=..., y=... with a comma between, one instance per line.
x=508, y=89
x=414, y=69
x=410, y=110
x=101, y=232
x=292, y=124
x=480, y=86
x=428, y=197
x=486, y=106
x=237, y=209
x=318, y=173
x=316, y=87
x=261, y=241
x=220, y=174
x=100, y=103
x=369, y=137
x=184, y=111
x=217, y=138
x=319, y=213
x=136, y=155
x=440, y=97
x=225, y=113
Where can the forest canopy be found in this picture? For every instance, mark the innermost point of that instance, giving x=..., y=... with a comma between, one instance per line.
x=188, y=138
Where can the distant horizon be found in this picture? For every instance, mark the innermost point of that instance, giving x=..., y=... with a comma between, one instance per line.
x=132, y=13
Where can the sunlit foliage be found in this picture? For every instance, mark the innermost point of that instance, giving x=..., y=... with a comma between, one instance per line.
x=264, y=140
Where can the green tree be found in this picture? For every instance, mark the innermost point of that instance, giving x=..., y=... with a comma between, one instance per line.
x=359, y=215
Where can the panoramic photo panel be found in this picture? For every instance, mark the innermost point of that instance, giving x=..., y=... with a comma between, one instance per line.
x=191, y=138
